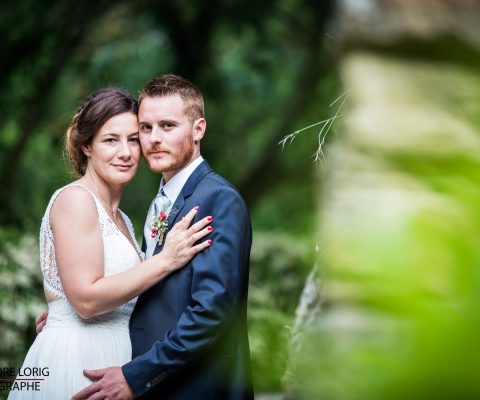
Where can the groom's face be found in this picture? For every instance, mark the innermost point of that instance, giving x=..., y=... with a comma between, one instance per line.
x=169, y=137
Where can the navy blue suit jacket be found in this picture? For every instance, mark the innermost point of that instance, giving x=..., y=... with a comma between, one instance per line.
x=189, y=331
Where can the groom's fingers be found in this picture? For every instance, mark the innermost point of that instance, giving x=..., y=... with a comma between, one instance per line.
x=41, y=317
x=94, y=374
x=40, y=321
x=40, y=326
x=98, y=396
x=87, y=392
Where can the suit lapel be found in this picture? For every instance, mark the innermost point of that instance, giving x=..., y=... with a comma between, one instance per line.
x=176, y=209
x=197, y=175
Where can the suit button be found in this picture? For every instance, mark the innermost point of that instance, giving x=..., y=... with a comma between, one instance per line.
x=149, y=385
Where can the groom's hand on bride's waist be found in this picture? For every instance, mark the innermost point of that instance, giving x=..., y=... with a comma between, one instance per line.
x=109, y=383
x=40, y=321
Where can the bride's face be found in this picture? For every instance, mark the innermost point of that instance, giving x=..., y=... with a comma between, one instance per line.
x=114, y=153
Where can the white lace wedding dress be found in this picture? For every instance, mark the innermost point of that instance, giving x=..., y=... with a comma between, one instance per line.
x=68, y=344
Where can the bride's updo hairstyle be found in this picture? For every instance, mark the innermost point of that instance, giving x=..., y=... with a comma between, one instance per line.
x=93, y=113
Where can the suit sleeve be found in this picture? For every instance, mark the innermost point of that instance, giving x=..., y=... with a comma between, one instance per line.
x=217, y=279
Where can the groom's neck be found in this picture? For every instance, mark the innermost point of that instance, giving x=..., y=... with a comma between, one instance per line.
x=169, y=175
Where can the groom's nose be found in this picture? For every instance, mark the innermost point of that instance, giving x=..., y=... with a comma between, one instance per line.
x=157, y=135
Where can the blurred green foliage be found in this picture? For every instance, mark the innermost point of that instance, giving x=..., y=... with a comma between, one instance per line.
x=263, y=71
x=399, y=226
x=21, y=290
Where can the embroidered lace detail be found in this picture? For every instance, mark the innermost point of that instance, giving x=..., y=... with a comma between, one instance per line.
x=119, y=254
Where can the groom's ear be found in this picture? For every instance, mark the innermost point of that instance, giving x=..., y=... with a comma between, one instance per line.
x=199, y=127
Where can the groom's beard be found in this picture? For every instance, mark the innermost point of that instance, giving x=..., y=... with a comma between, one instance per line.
x=176, y=159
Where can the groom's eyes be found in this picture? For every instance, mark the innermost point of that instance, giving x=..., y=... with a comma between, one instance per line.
x=146, y=128
x=167, y=125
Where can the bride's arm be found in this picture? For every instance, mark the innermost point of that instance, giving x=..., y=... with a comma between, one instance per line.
x=80, y=258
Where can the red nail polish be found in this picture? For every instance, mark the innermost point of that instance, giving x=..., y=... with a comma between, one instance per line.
x=210, y=228
x=209, y=218
x=196, y=207
x=209, y=241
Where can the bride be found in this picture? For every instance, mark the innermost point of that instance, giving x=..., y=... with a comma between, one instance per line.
x=91, y=264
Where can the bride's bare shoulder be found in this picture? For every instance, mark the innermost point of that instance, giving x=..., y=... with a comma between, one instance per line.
x=74, y=202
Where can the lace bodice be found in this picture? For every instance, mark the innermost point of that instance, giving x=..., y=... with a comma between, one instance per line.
x=119, y=254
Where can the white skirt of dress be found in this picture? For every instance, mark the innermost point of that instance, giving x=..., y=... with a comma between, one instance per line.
x=67, y=345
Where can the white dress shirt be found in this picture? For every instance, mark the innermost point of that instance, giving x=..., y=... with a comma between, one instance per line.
x=171, y=189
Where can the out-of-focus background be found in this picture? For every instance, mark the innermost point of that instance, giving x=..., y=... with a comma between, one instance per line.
x=264, y=74
x=365, y=278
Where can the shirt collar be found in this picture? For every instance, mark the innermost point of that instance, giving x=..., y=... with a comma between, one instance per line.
x=175, y=185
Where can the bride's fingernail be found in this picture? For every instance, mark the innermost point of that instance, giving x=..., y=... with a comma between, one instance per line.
x=209, y=241
x=196, y=207
x=209, y=218
x=210, y=228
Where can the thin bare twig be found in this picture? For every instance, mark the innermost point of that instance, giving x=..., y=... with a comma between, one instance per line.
x=326, y=124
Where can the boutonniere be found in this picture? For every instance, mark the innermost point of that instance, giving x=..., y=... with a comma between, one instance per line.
x=159, y=227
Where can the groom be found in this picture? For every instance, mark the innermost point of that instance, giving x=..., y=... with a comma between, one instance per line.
x=188, y=332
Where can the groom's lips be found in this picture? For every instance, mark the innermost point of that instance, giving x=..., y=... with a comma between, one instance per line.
x=157, y=153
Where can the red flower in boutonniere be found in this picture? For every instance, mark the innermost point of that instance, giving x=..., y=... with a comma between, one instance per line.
x=159, y=227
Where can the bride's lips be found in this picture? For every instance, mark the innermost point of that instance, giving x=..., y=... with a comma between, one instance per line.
x=123, y=167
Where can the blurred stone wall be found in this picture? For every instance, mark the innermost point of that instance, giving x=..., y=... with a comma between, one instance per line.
x=399, y=211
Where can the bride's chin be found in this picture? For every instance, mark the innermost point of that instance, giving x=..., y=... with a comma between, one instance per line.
x=122, y=180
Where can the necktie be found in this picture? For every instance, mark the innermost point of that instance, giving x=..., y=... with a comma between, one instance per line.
x=159, y=203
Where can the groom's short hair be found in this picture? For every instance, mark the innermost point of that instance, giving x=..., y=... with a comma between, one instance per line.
x=170, y=84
